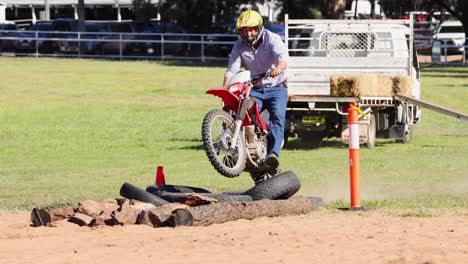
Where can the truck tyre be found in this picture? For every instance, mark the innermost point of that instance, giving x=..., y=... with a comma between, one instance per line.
x=281, y=186
x=175, y=189
x=132, y=192
x=371, y=132
x=407, y=135
x=407, y=128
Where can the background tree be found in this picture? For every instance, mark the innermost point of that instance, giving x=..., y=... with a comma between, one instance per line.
x=334, y=9
x=201, y=15
x=301, y=9
x=457, y=8
x=143, y=10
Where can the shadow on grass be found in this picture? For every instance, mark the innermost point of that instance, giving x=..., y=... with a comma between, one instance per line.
x=431, y=69
x=446, y=76
x=194, y=63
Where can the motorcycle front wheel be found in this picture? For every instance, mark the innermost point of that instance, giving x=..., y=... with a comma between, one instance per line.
x=217, y=131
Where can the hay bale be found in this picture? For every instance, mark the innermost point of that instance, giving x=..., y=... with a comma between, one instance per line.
x=402, y=85
x=366, y=85
x=343, y=86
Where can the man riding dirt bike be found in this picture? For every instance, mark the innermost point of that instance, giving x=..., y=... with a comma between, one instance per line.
x=260, y=51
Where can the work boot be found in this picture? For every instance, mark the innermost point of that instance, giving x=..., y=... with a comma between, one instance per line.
x=272, y=164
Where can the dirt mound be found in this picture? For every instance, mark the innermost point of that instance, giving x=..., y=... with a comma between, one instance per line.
x=324, y=236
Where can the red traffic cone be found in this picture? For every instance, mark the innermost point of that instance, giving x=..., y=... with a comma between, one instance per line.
x=160, y=179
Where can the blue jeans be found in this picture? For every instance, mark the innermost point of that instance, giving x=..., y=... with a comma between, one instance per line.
x=273, y=99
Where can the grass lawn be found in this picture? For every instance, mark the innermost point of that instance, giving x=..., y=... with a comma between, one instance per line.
x=75, y=129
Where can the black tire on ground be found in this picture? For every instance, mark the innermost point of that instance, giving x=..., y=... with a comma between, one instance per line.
x=234, y=192
x=281, y=186
x=175, y=189
x=182, y=197
x=230, y=165
x=132, y=192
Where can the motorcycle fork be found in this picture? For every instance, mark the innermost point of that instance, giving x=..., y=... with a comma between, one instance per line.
x=244, y=103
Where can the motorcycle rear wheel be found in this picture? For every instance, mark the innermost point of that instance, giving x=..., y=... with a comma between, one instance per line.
x=217, y=130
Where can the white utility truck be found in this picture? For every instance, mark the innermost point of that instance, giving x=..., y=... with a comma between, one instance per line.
x=320, y=49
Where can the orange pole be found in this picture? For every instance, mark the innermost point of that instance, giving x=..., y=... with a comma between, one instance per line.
x=354, y=169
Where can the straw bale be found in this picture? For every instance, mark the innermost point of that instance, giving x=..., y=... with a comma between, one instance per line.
x=343, y=86
x=362, y=85
x=402, y=85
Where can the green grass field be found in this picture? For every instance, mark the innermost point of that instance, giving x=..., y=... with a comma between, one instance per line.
x=74, y=129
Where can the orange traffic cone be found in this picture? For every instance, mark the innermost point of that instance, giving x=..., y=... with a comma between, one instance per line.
x=160, y=179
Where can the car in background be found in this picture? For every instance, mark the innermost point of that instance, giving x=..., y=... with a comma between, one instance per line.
x=96, y=35
x=148, y=37
x=112, y=44
x=451, y=33
x=221, y=40
x=66, y=29
x=26, y=40
x=7, y=29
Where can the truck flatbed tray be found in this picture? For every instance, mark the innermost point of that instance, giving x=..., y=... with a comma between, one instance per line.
x=308, y=98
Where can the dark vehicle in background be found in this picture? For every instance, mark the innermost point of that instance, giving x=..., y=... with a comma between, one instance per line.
x=148, y=39
x=67, y=31
x=7, y=30
x=117, y=42
x=96, y=34
x=219, y=43
x=26, y=42
x=89, y=42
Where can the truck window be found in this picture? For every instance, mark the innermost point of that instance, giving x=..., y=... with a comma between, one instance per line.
x=347, y=44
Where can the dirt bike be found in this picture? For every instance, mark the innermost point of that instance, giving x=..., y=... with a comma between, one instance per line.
x=235, y=137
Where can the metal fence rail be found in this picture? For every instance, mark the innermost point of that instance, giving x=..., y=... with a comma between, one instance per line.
x=119, y=45
x=177, y=46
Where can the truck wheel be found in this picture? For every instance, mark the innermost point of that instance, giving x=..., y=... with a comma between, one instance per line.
x=281, y=186
x=371, y=132
x=407, y=136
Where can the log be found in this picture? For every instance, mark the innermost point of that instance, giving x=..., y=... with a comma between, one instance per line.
x=103, y=219
x=194, y=199
x=46, y=215
x=229, y=211
x=81, y=219
x=126, y=214
x=94, y=208
x=160, y=216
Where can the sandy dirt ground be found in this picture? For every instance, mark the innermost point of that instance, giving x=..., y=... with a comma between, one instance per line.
x=323, y=236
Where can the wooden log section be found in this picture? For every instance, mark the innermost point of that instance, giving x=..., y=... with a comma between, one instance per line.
x=229, y=211
x=45, y=216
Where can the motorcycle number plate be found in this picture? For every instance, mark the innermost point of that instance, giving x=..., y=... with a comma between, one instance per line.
x=313, y=120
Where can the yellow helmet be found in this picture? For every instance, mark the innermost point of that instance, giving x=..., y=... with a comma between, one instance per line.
x=250, y=18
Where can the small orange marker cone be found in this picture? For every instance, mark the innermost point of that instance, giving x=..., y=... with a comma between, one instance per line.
x=160, y=179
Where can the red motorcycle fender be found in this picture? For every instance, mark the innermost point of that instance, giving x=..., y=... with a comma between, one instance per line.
x=227, y=96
